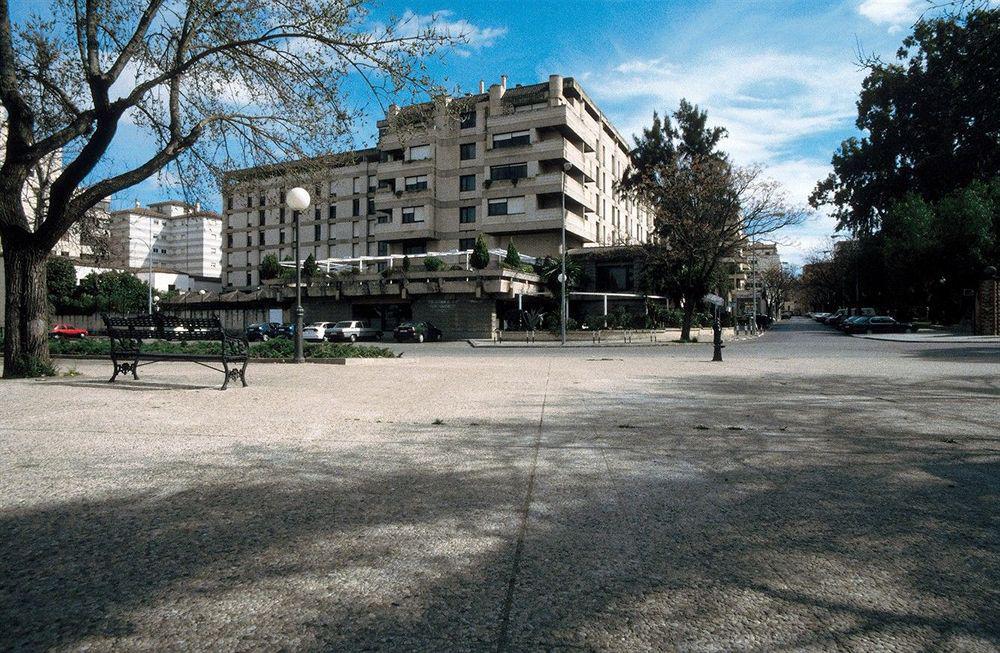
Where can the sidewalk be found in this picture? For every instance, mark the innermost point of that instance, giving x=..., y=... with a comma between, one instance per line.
x=932, y=337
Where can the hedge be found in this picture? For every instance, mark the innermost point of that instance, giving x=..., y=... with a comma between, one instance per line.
x=275, y=348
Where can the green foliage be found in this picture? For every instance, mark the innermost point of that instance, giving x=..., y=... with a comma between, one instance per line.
x=434, y=264
x=60, y=279
x=30, y=367
x=273, y=348
x=113, y=292
x=479, y=259
x=310, y=268
x=513, y=259
x=924, y=121
x=270, y=268
x=550, y=268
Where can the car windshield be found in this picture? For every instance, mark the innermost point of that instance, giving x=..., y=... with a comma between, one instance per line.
x=406, y=324
x=343, y=325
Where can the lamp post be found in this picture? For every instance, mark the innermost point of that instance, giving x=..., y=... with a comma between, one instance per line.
x=567, y=166
x=298, y=200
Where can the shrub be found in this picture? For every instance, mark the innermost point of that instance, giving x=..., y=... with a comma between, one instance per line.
x=273, y=348
x=434, y=264
x=480, y=256
x=513, y=259
x=270, y=268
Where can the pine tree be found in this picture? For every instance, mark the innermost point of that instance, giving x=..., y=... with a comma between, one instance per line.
x=480, y=257
x=513, y=259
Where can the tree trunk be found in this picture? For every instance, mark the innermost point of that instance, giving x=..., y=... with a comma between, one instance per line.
x=26, y=345
x=686, y=322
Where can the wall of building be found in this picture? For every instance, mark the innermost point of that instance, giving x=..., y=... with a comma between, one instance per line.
x=176, y=235
x=359, y=200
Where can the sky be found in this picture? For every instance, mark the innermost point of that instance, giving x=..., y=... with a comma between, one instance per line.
x=781, y=76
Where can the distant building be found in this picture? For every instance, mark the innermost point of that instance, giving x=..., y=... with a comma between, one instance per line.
x=172, y=235
x=753, y=261
x=501, y=163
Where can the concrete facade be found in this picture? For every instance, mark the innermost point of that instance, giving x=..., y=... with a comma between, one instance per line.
x=443, y=173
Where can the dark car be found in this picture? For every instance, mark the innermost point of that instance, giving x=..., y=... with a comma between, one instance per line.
x=881, y=324
x=415, y=330
x=265, y=331
x=855, y=324
x=835, y=319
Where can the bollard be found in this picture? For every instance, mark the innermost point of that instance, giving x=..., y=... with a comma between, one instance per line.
x=717, y=341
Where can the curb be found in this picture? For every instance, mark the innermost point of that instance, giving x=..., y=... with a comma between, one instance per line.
x=947, y=340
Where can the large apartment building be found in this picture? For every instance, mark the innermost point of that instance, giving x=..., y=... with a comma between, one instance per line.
x=501, y=163
x=177, y=236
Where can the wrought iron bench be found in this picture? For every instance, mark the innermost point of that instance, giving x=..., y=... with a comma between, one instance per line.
x=131, y=349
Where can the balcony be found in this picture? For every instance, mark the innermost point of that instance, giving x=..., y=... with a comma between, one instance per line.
x=396, y=230
x=538, y=220
x=563, y=117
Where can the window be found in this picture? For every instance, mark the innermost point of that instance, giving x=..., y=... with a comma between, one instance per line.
x=281, y=215
x=420, y=152
x=263, y=200
x=355, y=207
x=249, y=201
x=317, y=214
x=466, y=183
x=260, y=218
x=331, y=212
x=467, y=151
x=384, y=218
x=383, y=248
x=318, y=191
x=415, y=248
x=413, y=214
x=509, y=171
x=372, y=183
x=229, y=202
x=281, y=237
x=356, y=185
x=467, y=214
x=466, y=244
x=371, y=207
x=229, y=241
x=614, y=278
x=467, y=120
x=511, y=139
x=249, y=279
x=249, y=240
x=316, y=232
x=506, y=206
x=418, y=182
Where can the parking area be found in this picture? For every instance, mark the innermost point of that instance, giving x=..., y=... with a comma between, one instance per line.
x=812, y=492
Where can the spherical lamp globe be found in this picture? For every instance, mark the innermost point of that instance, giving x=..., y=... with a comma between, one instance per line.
x=298, y=199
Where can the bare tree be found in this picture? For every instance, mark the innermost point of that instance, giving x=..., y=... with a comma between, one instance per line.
x=216, y=84
x=778, y=284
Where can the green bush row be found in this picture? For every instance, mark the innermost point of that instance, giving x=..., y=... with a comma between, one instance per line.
x=276, y=348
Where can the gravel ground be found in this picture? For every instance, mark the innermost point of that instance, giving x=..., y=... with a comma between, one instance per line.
x=813, y=492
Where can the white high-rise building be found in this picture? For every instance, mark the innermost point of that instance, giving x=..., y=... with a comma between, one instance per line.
x=176, y=235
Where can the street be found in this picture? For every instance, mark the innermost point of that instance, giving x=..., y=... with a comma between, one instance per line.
x=812, y=492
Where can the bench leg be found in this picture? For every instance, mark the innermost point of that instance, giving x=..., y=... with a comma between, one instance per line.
x=135, y=369
x=243, y=372
x=114, y=361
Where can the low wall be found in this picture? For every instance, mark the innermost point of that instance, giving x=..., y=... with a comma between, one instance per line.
x=235, y=319
x=703, y=334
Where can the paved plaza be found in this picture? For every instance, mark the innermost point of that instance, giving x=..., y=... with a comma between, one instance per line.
x=812, y=492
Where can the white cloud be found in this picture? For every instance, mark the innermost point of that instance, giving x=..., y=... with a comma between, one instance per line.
x=894, y=13
x=769, y=103
x=445, y=23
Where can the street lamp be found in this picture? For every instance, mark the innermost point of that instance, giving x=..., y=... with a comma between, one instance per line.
x=567, y=166
x=298, y=200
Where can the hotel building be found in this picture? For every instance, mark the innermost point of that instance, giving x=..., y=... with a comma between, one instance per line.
x=501, y=163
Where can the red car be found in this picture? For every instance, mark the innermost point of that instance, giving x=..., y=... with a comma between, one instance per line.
x=67, y=331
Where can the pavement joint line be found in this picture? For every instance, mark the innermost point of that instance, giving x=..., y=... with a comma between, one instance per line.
x=508, y=604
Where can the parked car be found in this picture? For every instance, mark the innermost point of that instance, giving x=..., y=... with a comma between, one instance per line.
x=316, y=332
x=818, y=316
x=67, y=331
x=854, y=322
x=263, y=332
x=353, y=330
x=880, y=324
x=415, y=330
x=833, y=319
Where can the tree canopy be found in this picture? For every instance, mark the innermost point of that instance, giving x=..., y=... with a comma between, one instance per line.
x=930, y=122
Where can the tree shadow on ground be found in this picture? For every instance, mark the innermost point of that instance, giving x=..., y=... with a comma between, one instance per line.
x=965, y=354
x=651, y=536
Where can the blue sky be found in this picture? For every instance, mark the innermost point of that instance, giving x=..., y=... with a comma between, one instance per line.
x=782, y=77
